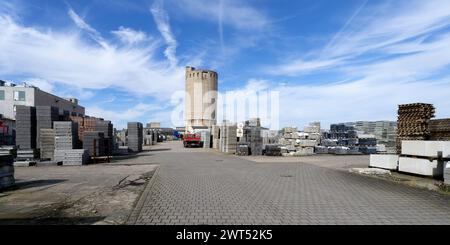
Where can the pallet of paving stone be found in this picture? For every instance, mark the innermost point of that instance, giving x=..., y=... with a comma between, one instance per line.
x=74, y=157
x=6, y=171
x=321, y=150
x=93, y=143
x=47, y=143
x=26, y=127
x=45, y=116
x=23, y=155
x=66, y=135
x=135, y=136
x=273, y=150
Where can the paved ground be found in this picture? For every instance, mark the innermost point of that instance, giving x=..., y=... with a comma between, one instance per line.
x=93, y=194
x=197, y=186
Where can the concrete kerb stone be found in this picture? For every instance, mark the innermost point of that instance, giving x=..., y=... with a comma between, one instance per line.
x=134, y=215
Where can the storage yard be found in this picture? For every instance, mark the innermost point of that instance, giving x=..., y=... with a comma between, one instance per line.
x=70, y=168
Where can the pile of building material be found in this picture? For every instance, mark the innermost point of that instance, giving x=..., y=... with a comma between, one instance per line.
x=447, y=173
x=321, y=149
x=66, y=135
x=273, y=150
x=107, y=128
x=384, y=161
x=6, y=171
x=313, y=131
x=367, y=145
x=343, y=134
x=205, y=136
x=252, y=136
x=94, y=143
x=228, y=138
x=413, y=122
x=135, y=137
x=25, y=127
x=422, y=157
x=215, y=131
x=45, y=116
x=440, y=129
x=47, y=143
x=243, y=149
x=73, y=157
x=269, y=137
x=26, y=155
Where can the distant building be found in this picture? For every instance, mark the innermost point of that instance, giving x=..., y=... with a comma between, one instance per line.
x=201, y=98
x=384, y=131
x=12, y=96
x=154, y=125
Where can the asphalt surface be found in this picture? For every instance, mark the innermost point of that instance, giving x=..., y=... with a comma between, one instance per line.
x=197, y=187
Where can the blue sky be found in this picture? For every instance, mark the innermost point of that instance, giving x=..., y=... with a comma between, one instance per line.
x=332, y=61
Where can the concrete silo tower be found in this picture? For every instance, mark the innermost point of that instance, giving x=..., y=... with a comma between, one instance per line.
x=201, y=98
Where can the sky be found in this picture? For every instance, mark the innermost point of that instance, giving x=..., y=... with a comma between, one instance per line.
x=330, y=61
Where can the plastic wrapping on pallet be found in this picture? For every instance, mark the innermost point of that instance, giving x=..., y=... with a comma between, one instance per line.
x=6, y=171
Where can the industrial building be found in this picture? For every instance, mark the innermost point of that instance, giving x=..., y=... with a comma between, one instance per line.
x=201, y=98
x=12, y=95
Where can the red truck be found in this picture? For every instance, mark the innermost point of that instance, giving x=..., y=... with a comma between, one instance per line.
x=192, y=140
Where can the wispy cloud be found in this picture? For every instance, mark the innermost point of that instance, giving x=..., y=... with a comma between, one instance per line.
x=67, y=58
x=394, y=28
x=129, y=36
x=163, y=23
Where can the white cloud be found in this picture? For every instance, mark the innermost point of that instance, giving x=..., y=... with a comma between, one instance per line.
x=394, y=28
x=130, y=36
x=236, y=14
x=66, y=58
x=162, y=22
x=41, y=84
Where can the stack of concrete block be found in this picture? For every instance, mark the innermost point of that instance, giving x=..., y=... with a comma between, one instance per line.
x=26, y=155
x=79, y=120
x=66, y=135
x=107, y=128
x=25, y=127
x=413, y=122
x=93, y=143
x=273, y=150
x=389, y=162
x=243, y=149
x=421, y=157
x=228, y=140
x=269, y=137
x=135, y=139
x=321, y=150
x=74, y=157
x=447, y=173
x=440, y=129
x=45, y=116
x=205, y=136
x=47, y=143
x=252, y=136
x=215, y=131
x=6, y=171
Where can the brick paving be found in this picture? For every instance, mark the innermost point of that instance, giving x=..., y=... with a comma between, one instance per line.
x=195, y=188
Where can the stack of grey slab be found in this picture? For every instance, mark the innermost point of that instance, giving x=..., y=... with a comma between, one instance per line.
x=230, y=139
x=135, y=139
x=215, y=131
x=107, y=128
x=256, y=141
x=47, y=143
x=447, y=173
x=6, y=171
x=45, y=116
x=93, y=143
x=206, y=138
x=66, y=135
x=25, y=127
x=25, y=155
x=75, y=157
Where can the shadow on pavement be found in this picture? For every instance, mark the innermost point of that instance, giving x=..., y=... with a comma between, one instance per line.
x=35, y=183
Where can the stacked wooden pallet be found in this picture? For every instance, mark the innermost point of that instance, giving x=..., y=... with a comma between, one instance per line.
x=440, y=129
x=413, y=122
x=47, y=143
x=6, y=171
